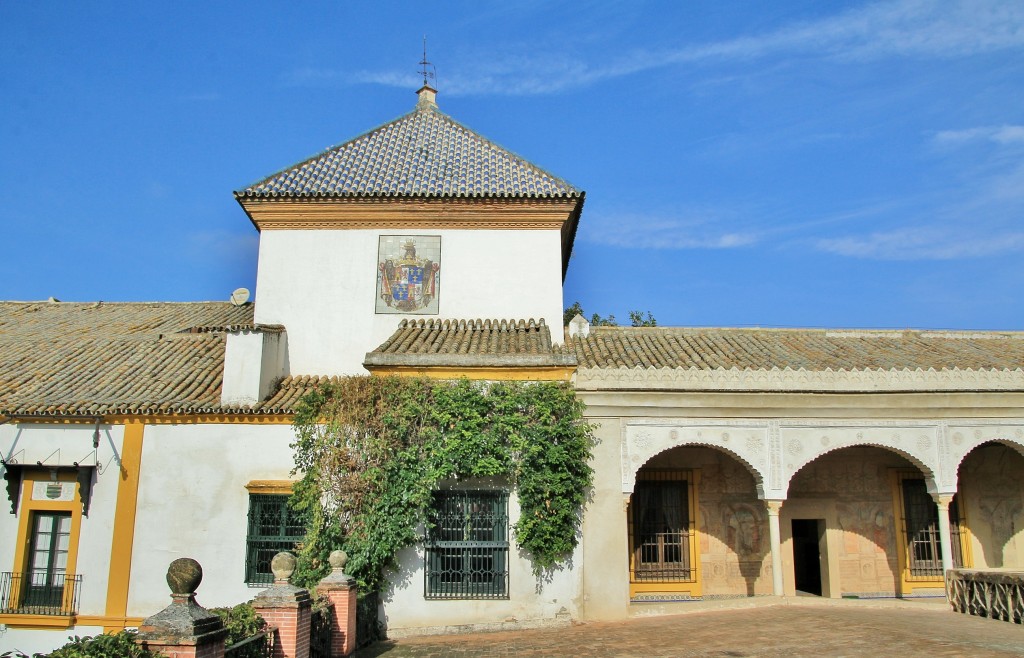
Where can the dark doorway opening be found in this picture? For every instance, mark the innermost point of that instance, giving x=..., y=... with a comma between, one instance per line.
x=807, y=555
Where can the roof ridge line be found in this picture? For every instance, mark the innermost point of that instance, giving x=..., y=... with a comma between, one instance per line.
x=240, y=193
x=490, y=141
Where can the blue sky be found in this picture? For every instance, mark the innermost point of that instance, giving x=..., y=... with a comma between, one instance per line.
x=846, y=164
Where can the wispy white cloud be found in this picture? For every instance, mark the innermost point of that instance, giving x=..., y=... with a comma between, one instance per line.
x=923, y=28
x=685, y=230
x=923, y=244
x=978, y=219
x=1004, y=135
x=909, y=28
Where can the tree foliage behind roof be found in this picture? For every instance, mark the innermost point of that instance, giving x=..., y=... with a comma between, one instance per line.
x=636, y=318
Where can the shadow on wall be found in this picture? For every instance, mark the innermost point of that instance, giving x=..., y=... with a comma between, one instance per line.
x=852, y=490
x=735, y=550
x=991, y=479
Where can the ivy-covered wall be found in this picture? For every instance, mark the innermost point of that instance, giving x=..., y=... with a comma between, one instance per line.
x=371, y=450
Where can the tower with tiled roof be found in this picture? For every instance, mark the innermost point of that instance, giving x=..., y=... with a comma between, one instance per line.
x=420, y=218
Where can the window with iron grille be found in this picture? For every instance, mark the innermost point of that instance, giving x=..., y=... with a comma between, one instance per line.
x=273, y=527
x=660, y=528
x=921, y=524
x=467, y=546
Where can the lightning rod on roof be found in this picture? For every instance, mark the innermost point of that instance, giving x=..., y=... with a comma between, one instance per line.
x=427, y=69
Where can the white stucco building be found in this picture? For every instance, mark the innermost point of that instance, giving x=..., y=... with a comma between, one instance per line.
x=729, y=462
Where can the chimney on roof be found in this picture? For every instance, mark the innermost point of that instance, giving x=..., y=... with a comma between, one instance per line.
x=428, y=97
x=255, y=360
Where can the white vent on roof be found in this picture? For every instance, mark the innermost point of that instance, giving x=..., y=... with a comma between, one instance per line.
x=579, y=326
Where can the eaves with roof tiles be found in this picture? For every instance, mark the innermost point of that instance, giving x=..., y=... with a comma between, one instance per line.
x=470, y=343
x=796, y=349
x=62, y=359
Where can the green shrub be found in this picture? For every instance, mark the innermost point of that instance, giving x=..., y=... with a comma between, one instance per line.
x=241, y=621
x=118, y=645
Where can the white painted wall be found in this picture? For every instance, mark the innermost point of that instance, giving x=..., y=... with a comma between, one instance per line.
x=31, y=443
x=36, y=640
x=531, y=602
x=321, y=285
x=193, y=503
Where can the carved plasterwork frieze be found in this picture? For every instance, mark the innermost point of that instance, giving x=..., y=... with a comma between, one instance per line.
x=774, y=451
x=775, y=379
x=965, y=436
x=746, y=440
x=803, y=442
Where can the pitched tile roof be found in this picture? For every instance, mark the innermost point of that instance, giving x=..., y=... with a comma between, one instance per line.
x=796, y=349
x=469, y=343
x=114, y=358
x=424, y=153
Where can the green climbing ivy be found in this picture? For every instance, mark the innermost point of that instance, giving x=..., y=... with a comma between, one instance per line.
x=372, y=449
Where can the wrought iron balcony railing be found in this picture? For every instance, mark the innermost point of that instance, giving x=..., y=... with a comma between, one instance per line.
x=39, y=593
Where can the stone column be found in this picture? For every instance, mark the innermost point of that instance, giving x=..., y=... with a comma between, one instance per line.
x=945, y=544
x=341, y=591
x=183, y=629
x=287, y=608
x=775, y=536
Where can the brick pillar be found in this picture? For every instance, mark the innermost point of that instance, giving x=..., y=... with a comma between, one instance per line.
x=341, y=591
x=183, y=629
x=287, y=608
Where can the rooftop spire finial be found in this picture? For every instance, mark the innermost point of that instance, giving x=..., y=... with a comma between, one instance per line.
x=428, y=71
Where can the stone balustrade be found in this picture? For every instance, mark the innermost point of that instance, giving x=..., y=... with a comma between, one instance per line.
x=185, y=629
x=993, y=593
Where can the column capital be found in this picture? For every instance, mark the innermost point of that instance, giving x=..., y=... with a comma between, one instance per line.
x=943, y=500
x=774, y=506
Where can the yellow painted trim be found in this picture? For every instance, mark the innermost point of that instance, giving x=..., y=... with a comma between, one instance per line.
x=123, y=537
x=966, y=536
x=42, y=622
x=21, y=548
x=471, y=214
x=168, y=419
x=908, y=583
x=109, y=624
x=902, y=551
x=50, y=622
x=698, y=586
x=207, y=419
x=541, y=374
x=284, y=487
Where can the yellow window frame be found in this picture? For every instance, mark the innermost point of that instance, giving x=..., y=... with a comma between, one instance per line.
x=692, y=586
x=909, y=582
x=28, y=506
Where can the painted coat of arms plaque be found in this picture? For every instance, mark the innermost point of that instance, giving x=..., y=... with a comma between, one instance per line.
x=408, y=274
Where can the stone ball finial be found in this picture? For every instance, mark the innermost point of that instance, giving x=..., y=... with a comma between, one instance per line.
x=184, y=576
x=338, y=559
x=283, y=566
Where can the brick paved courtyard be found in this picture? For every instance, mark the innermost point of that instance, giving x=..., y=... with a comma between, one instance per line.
x=797, y=628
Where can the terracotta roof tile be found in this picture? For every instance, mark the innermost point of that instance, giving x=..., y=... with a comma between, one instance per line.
x=469, y=343
x=795, y=349
x=114, y=358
